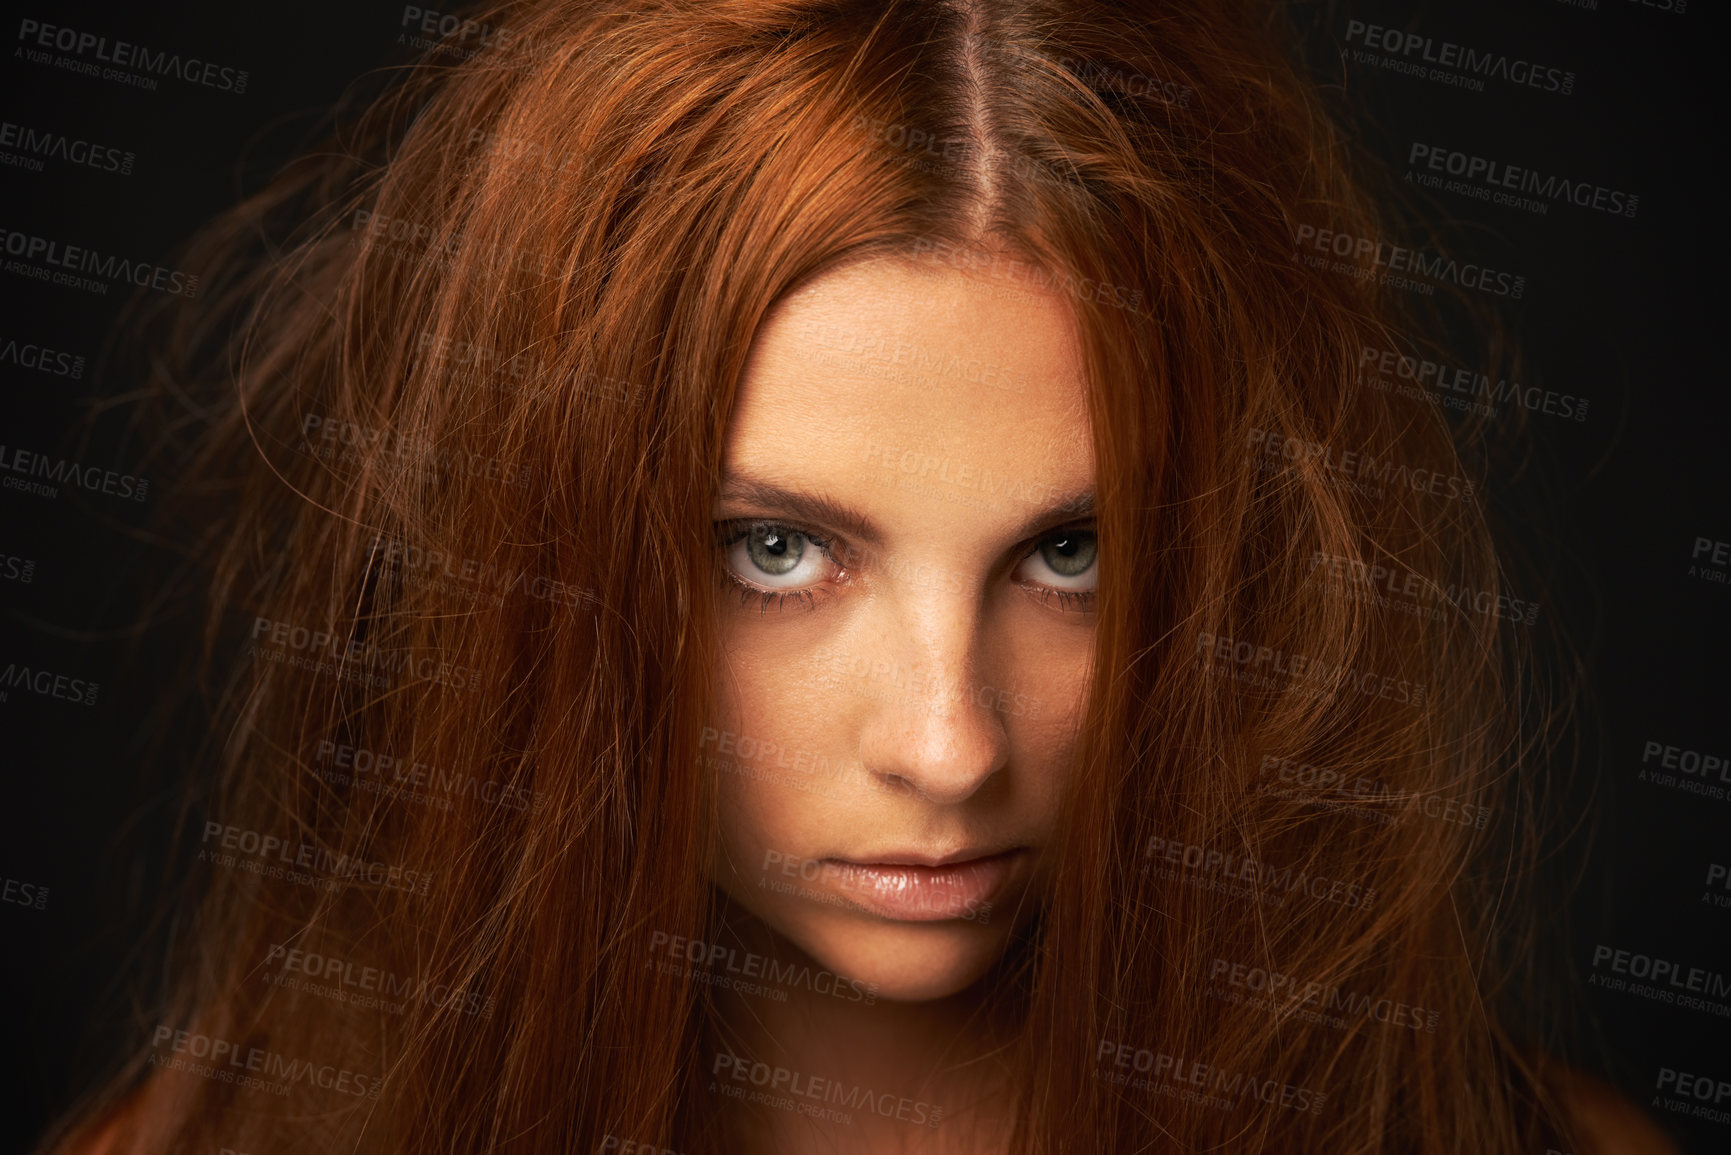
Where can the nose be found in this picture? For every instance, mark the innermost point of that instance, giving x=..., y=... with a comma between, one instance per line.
x=932, y=730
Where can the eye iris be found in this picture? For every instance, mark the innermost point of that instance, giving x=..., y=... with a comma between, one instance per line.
x=773, y=550
x=1069, y=554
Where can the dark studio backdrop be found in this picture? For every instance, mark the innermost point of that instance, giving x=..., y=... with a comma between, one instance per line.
x=1581, y=166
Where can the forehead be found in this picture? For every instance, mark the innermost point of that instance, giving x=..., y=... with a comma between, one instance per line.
x=891, y=372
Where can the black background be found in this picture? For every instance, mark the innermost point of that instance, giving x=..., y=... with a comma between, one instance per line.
x=1625, y=312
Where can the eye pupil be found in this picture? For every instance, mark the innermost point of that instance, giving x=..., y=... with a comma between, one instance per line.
x=774, y=551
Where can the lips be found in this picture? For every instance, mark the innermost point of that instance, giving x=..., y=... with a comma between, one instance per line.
x=915, y=888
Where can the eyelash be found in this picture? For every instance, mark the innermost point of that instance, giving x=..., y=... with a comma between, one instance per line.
x=1069, y=601
x=729, y=532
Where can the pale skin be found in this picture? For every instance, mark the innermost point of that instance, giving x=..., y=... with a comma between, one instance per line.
x=943, y=663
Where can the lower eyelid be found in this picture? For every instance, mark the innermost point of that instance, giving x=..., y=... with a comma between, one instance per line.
x=739, y=582
x=1046, y=594
x=807, y=597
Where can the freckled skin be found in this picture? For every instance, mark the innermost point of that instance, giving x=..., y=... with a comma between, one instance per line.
x=936, y=662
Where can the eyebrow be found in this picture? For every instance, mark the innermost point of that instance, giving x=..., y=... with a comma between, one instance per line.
x=828, y=513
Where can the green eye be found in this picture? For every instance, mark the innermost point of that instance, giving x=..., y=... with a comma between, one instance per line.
x=770, y=556
x=1070, y=553
x=1062, y=567
x=775, y=550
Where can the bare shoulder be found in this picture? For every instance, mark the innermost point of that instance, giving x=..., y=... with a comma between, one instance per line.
x=1607, y=1120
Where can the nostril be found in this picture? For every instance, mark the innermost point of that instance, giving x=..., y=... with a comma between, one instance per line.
x=900, y=785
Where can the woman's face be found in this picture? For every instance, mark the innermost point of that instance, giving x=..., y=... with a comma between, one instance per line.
x=906, y=533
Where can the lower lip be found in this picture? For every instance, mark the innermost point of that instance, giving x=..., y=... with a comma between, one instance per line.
x=960, y=890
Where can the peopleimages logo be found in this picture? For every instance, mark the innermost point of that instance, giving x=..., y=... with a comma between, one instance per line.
x=1506, y=179
x=330, y=651
x=802, y=1093
x=614, y=1143
x=888, y=356
x=1719, y=876
x=1179, y=1077
x=365, y=987
x=1354, y=465
x=47, y=684
x=61, y=471
x=1269, y=884
x=1446, y=384
x=79, y=267
x=1710, y=560
x=221, y=843
x=1427, y=58
x=746, y=971
x=1327, y=1003
x=20, y=893
x=215, y=1057
x=1703, y=1096
x=1100, y=75
x=1387, y=586
x=447, y=34
x=434, y=569
x=1266, y=666
x=1025, y=275
x=1661, y=980
x=41, y=359
x=468, y=364
x=1367, y=258
x=1372, y=798
x=87, y=53
x=24, y=147
x=1680, y=768
x=17, y=569
x=395, y=776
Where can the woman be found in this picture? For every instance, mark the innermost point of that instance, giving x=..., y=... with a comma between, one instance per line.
x=808, y=577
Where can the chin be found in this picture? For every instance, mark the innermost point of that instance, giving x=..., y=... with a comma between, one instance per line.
x=905, y=961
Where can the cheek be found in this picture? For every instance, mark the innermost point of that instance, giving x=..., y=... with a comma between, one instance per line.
x=786, y=759
x=1045, y=698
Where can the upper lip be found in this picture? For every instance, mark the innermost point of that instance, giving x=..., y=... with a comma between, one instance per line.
x=919, y=858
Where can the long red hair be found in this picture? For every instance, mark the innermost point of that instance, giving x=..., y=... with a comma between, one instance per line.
x=501, y=322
